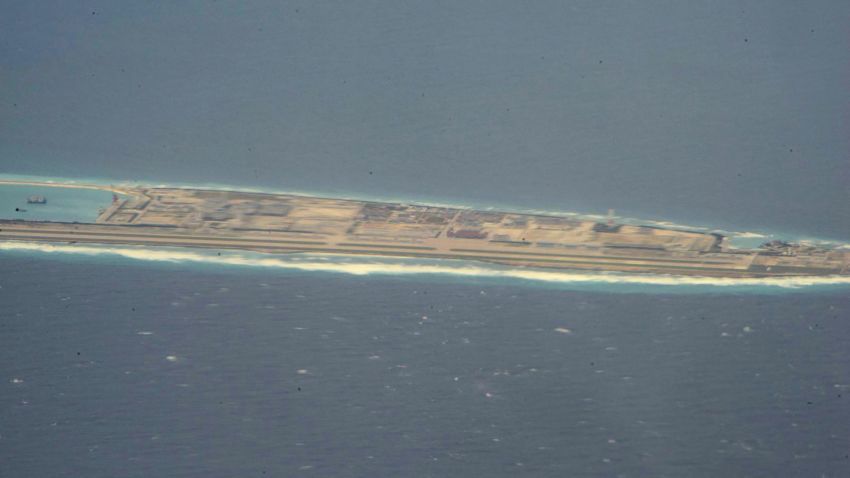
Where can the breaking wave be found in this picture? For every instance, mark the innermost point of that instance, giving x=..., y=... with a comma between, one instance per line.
x=742, y=239
x=356, y=265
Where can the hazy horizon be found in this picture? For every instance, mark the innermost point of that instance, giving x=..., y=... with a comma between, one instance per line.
x=121, y=360
x=717, y=113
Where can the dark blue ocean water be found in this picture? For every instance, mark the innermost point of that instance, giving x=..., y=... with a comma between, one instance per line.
x=724, y=114
x=730, y=113
x=116, y=368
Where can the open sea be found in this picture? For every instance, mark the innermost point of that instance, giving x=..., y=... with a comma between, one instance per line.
x=114, y=367
x=126, y=361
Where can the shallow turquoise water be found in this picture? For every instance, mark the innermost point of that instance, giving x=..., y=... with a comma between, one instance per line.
x=83, y=205
x=739, y=239
x=722, y=114
x=63, y=204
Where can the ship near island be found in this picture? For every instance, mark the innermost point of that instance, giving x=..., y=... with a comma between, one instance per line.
x=292, y=224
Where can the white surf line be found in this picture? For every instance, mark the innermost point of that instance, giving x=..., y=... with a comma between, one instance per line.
x=131, y=188
x=320, y=263
x=67, y=185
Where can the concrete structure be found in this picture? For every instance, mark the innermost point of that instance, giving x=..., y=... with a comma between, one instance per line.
x=280, y=223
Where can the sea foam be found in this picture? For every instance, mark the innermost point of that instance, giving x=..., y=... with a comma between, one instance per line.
x=745, y=239
x=354, y=265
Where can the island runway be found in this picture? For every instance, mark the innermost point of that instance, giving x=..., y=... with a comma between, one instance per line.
x=285, y=223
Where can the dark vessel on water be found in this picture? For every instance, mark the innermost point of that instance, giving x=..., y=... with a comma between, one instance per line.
x=285, y=223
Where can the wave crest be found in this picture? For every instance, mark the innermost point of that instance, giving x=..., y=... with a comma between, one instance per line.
x=356, y=265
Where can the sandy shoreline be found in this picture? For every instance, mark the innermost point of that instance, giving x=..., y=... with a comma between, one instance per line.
x=97, y=187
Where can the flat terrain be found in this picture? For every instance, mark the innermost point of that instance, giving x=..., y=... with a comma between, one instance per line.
x=283, y=223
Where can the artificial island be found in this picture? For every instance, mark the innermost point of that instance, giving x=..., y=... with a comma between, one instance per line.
x=287, y=223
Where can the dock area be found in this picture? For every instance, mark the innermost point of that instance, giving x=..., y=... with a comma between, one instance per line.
x=282, y=223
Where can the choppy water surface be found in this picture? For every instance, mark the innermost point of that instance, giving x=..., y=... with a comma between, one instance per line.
x=137, y=369
x=127, y=361
x=139, y=361
x=444, y=269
